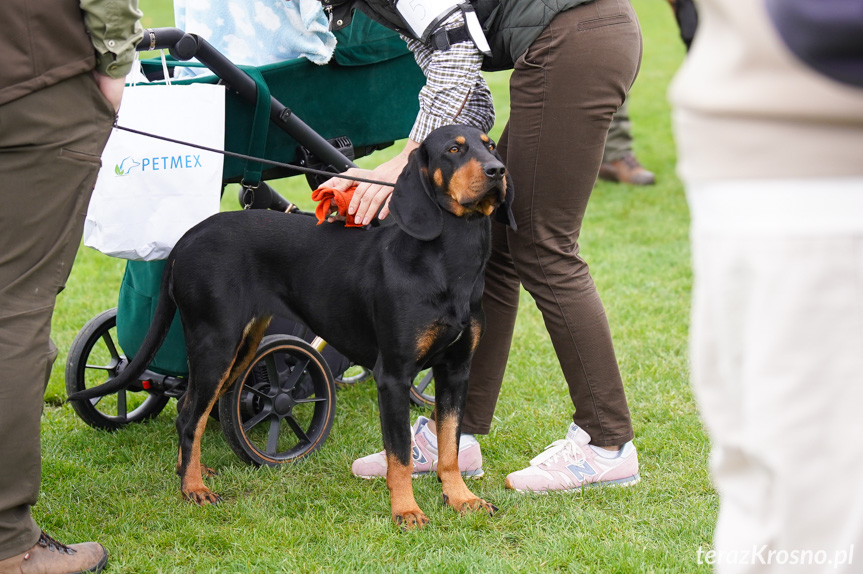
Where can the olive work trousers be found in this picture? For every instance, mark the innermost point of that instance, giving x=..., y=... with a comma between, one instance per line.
x=51, y=142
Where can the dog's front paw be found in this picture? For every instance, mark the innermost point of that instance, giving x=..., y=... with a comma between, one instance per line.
x=471, y=504
x=202, y=496
x=410, y=520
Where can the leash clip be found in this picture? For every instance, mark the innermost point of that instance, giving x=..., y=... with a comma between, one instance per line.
x=248, y=195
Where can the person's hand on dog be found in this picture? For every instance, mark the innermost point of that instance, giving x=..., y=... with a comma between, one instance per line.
x=369, y=197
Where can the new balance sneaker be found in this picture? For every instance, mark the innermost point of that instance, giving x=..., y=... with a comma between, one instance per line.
x=425, y=456
x=571, y=464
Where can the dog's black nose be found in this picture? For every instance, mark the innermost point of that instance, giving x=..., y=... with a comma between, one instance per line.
x=495, y=171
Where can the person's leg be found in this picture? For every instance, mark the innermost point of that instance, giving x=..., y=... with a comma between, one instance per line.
x=619, y=141
x=553, y=152
x=618, y=161
x=777, y=367
x=48, y=166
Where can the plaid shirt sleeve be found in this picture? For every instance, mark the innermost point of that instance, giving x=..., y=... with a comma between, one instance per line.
x=455, y=91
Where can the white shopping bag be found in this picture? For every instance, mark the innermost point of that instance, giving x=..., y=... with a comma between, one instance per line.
x=150, y=192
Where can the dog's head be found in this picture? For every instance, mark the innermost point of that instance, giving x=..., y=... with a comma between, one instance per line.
x=455, y=170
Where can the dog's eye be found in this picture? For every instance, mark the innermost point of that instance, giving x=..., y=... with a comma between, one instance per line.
x=454, y=149
x=490, y=146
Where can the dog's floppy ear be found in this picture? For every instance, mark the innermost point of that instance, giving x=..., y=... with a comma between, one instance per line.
x=413, y=205
x=503, y=213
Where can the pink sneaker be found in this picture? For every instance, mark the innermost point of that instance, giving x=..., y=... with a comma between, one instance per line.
x=571, y=464
x=424, y=456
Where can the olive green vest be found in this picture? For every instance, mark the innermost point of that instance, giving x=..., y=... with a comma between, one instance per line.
x=43, y=42
x=512, y=26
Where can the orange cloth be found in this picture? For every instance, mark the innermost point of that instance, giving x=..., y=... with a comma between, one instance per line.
x=325, y=196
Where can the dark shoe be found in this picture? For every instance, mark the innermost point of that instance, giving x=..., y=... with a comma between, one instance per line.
x=51, y=557
x=626, y=170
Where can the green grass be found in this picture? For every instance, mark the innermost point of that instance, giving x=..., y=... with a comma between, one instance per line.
x=120, y=488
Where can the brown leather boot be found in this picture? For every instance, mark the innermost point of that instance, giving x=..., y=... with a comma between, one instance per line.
x=626, y=170
x=51, y=557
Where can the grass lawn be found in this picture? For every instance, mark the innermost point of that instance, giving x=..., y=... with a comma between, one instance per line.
x=120, y=488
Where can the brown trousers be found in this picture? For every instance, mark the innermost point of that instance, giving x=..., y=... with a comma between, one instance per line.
x=563, y=94
x=50, y=147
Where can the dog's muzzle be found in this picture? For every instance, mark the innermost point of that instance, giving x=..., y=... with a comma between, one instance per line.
x=496, y=184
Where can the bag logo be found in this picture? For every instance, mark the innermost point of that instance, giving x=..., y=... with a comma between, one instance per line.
x=163, y=163
x=123, y=169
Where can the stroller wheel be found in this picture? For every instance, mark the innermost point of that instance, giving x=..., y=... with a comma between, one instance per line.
x=422, y=389
x=94, y=358
x=283, y=406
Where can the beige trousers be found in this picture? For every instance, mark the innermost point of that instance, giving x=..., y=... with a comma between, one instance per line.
x=777, y=367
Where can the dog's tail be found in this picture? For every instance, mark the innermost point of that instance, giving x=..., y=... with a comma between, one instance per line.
x=166, y=308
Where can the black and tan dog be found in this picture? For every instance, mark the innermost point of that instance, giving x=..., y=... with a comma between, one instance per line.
x=395, y=299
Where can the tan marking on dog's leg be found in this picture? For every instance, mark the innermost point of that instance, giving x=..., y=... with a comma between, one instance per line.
x=405, y=511
x=427, y=338
x=455, y=491
x=252, y=335
x=192, y=484
x=205, y=470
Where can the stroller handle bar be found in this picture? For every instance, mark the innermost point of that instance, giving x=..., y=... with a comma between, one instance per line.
x=185, y=46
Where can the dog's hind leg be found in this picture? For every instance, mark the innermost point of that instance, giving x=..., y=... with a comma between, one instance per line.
x=210, y=374
x=252, y=336
x=394, y=401
x=451, y=378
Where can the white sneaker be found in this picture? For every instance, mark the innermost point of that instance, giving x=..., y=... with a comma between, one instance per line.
x=425, y=456
x=571, y=464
